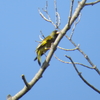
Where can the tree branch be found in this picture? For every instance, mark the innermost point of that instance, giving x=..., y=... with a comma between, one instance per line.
x=52, y=50
x=63, y=32
x=87, y=58
x=76, y=63
x=92, y=3
x=75, y=23
x=70, y=12
x=57, y=15
x=80, y=75
x=26, y=83
x=76, y=48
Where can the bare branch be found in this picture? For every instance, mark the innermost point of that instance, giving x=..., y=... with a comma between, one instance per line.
x=77, y=63
x=40, y=38
x=75, y=23
x=87, y=58
x=92, y=3
x=52, y=50
x=48, y=20
x=74, y=16
x=80, y=74
x=46, y=10
x=31, y=83
x=9, y=97
x=26, y=83
x=62, y=33
x=57, y=16
x=68, y=49
x=42, y=34
x=38, y=41
x=57, y=23
x=58, y=20
x=71, y=10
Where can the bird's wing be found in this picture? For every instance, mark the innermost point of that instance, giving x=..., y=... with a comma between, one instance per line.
x=44, y=42
x=48, y=38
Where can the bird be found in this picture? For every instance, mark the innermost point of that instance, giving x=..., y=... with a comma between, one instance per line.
x=45, y=45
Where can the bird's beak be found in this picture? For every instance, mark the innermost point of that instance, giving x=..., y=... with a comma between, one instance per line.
x=57, y=32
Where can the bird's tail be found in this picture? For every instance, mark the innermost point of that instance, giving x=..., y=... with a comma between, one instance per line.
x=39, y=60
x=35, y=59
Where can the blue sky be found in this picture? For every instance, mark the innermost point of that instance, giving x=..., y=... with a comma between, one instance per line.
x=20, y=25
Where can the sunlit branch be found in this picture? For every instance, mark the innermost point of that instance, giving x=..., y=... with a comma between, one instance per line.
x=40, y=38
x=76, y=48
x=48, y=19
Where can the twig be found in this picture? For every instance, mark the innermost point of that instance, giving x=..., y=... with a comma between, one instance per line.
x=92, y=3
x=42, y=34
x=44, y=16
x=38, y=41
x=87, y=58
x=9, y=97
x=76, y=48
x=51, y=52
x=57, y=16
x=26, y=83
x=75, y=23
x=40, y=38
x=77, y=63
x=70, y=12
x=80, y=75
x=58, y=20
x=46, y=10
x=48, y=19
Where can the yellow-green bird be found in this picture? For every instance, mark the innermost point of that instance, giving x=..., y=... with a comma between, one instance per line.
x=45, y=45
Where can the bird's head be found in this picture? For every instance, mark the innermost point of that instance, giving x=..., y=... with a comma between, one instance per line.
x=54, y=34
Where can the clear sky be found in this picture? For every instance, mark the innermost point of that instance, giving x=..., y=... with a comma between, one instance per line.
x=20, y=25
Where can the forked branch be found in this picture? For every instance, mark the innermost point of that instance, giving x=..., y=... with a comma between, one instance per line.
x=86, y=57
x=77, y=63
x=53, y=48
x=48, y=19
